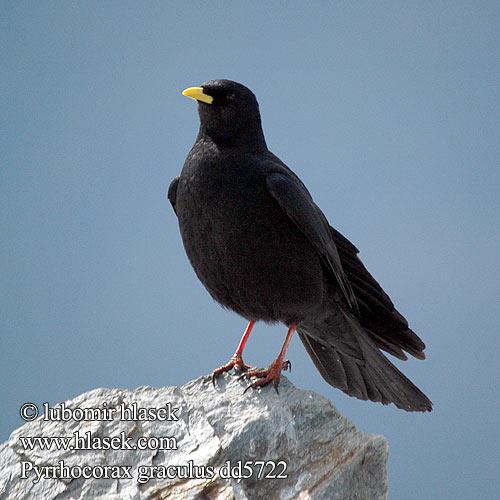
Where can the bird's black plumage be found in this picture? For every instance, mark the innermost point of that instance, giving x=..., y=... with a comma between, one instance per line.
x=264, y=249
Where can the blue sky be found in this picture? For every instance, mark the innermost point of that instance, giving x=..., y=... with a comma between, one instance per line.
x=388, y=111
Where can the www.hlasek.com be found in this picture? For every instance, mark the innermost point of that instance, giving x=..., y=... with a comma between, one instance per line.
x=259, y=469
x=87, y=441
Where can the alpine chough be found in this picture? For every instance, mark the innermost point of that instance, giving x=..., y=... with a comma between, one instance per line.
x=263, y=248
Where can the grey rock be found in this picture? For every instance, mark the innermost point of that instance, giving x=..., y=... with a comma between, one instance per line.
x=295, y=434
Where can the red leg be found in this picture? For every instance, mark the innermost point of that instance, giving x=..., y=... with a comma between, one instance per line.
x=236, y=360
x=273, y=373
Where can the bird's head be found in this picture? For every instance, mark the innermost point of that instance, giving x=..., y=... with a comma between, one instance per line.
x=229, y=114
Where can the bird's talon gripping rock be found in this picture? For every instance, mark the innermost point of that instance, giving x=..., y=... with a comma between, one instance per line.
x=236, y=363
x=251, y=386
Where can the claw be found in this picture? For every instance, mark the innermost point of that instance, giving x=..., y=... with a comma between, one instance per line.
x=251, y=386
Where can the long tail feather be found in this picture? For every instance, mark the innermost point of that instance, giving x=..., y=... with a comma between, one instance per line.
x=368, y=375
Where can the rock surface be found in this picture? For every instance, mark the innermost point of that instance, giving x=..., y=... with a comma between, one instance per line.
x=294, y=445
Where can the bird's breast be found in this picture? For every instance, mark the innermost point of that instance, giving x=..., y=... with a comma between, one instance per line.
x=249, y=255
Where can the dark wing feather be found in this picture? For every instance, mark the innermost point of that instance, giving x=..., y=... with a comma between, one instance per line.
x=297, y=203
x=378, y=316
x=172, y=193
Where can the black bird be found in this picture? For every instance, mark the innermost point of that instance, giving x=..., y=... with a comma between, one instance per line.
x=263, y=248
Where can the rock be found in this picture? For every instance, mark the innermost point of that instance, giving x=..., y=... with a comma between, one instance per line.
x=197, y=442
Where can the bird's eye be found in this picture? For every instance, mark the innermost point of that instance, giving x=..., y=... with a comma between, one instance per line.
x=222, y=98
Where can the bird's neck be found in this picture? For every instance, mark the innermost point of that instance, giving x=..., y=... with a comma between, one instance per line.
x=245, y=140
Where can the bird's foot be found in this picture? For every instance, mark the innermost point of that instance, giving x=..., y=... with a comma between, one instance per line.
x=272, y=374
x=235, y=362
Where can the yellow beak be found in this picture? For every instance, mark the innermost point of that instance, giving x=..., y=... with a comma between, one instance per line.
x=198, y=94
